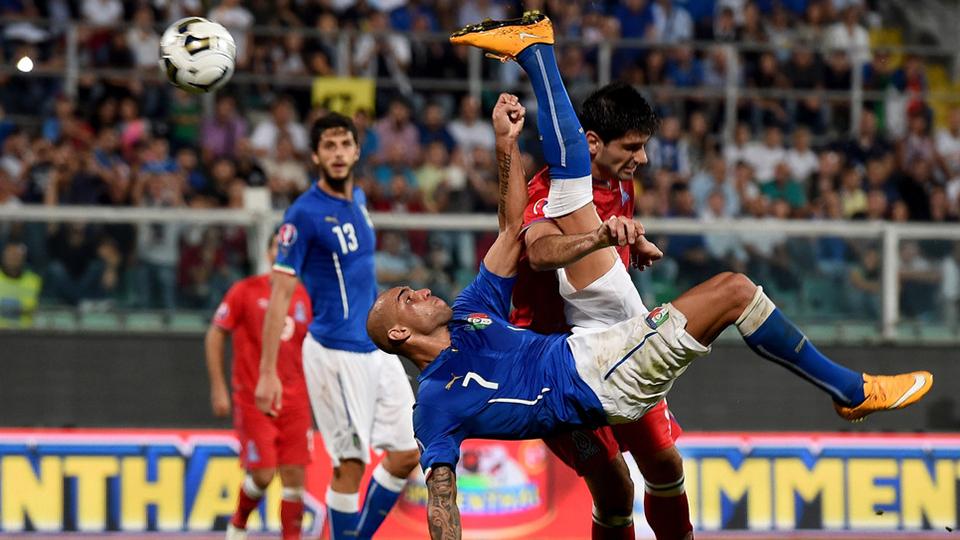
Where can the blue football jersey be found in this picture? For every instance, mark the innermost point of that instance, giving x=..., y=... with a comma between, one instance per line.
x=497, y=381
x=329, y=244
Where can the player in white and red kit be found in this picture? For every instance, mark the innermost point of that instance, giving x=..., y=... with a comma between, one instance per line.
x=595, y=455
x=268, y=443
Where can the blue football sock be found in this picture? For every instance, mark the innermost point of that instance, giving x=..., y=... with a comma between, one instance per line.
x=343, y=511
x=771, y=335
x=564, y=144
x=382, y=493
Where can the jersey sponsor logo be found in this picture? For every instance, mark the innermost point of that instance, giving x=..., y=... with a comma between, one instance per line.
x=223, y=311
x=479, y=321
x=300, y=312
x=287, y=235
x=657, y=317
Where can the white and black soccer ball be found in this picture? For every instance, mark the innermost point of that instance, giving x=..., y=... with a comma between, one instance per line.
x=197, y=55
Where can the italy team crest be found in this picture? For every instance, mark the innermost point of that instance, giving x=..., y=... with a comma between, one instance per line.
x=479, y=321
x=657, y=317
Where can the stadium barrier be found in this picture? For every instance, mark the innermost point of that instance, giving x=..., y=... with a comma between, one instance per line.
x=154, y=480
x=886, y=236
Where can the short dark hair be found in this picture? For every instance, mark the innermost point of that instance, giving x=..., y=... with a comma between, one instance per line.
x=331, y=121
x=616, y=110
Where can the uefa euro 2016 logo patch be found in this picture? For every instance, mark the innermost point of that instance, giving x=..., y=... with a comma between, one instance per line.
x=657, y=317
x=479, y=321
x=287, y=235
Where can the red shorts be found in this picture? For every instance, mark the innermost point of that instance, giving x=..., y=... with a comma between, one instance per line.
x=586, y=451
x=266, y=442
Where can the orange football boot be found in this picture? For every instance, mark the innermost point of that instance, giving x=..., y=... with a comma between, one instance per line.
x=505, y=39
x=888, y=392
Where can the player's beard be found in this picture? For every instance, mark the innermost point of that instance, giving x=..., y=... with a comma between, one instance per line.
x=336, y=183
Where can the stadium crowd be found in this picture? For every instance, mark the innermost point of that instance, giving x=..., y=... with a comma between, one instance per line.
x=133, y=141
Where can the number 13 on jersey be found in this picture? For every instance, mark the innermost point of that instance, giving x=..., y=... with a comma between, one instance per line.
x=347, y=236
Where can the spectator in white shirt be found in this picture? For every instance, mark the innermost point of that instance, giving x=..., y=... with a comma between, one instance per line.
x=948, y=143
x=803, y=161
x=282, y=121
x=379, y=52
x=469, y=131
x=143, y=40
x=765, y=156
x=102, y=12
x=238, y=20
x=736, y=151
x=850, y=36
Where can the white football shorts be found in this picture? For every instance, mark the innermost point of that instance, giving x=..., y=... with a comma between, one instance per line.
x=632, y=365
x=360, y=401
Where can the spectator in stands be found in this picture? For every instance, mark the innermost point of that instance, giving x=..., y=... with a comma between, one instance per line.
x=712, y=180
x=220, y=133
x=84, y=269
x=248, y=166
x=804, y=72
x=379, y=52
x=784, y=187
x=725, y=248
x=395, y=263
x=367, y=138
x=948, y=144
x=863, y=295
x=920, y=281
x=688, y=250
x=764, y=157
x=950, y=286
x=282, y=120
x=433, y=172
x=736, y=151
x=671, y=23
x=143, y=39
x=469, y=130
x=801, y=159
x=397, y=135
x=158, y=245
x=853, y=199
x=849, y=36
x=914, y=187
x=768, y=111
x=667, y=151
x=472, y=11
x=286, y=175
x=868, y=143
x=19, y=287
x=434, y=127
x=940, y=211
x=877, y=207
x=918, y=145
x=238, y=20
x=205, y=275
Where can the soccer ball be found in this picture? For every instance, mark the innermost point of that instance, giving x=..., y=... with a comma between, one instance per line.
x=197, y=55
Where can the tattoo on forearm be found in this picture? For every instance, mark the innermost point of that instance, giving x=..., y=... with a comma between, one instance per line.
x=443, y=516
x=504, y=161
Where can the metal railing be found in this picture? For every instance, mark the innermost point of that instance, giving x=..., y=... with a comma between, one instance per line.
x=886, y=235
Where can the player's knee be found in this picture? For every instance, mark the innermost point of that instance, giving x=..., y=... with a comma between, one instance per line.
x=262, y=477
x=738, y=290
x=661, y=467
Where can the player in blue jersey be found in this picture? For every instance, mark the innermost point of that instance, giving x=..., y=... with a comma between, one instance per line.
x=360, y=396
x=483, y=378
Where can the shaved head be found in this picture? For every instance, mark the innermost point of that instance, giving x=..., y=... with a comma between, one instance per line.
x=402, y=320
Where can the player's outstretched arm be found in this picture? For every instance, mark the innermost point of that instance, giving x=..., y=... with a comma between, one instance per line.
x=219, y=394
x=508, y=117
x=548, y=248
x=443, y=516
x=269, y=392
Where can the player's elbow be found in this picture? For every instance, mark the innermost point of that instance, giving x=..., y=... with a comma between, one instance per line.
x=539, y=262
